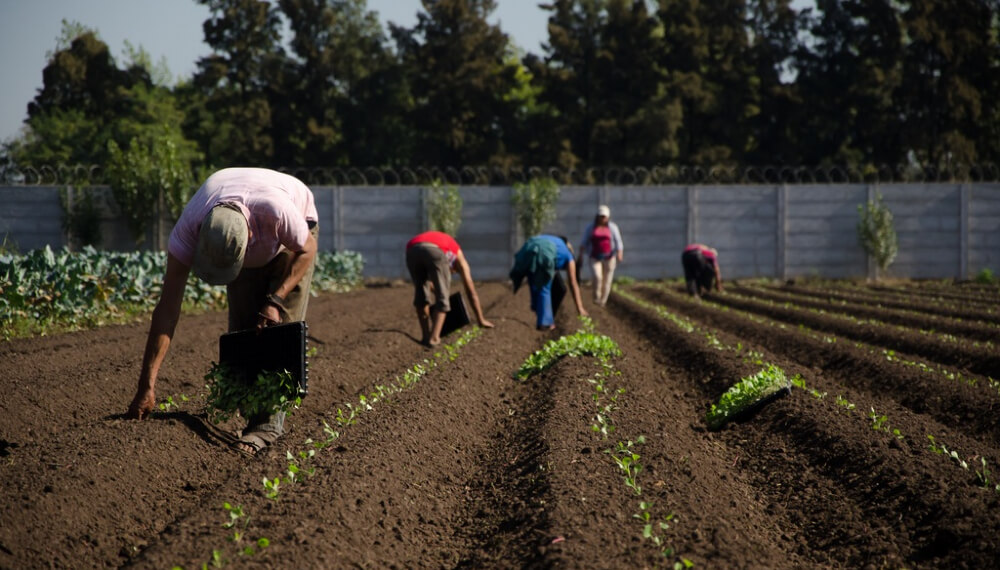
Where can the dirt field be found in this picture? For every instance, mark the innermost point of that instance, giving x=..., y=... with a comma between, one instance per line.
x=470, y=468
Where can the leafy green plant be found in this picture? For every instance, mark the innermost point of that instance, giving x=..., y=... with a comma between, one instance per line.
x=746, y=393
x=269, y=392
x=144, y=174
x=444, y=208
x=577, y=344
x=48, y=290
x=627, y=459
x=985, y=276
x=881, y=422
x=272, y=488
x=844, y=403
x=235, y=514
x=169, y=402
x=337, y=271
x=877, y=233
x=535, y=204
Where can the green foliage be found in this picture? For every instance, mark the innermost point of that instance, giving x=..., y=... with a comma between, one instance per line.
x=444, y=205
x=141, y=176
x=269, y=392
x=535, y=204
x=232, y=117
x=745, y=393
x=877, y=233
x=985, y=276
x=46, y=289
x=454, y=60
x=577, y=344
x=627, y=459
x=337, y=271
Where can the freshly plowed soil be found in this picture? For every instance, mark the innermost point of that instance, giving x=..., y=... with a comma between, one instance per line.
x=470, y=468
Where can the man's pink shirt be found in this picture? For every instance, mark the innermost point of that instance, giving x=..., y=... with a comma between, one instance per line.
x=277, y=207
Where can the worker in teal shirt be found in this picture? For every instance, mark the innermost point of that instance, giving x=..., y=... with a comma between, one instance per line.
x=538, y=261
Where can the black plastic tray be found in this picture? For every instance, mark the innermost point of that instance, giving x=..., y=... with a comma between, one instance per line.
x=273, y=349
x=457, y=317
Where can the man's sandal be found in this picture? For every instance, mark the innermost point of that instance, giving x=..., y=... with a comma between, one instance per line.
x=251, y=443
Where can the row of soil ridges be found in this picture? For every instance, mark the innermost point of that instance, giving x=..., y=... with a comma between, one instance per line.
x=982, y=358
x=468, y=467
x=822, y=464
x=920, y=317
x=976, y=311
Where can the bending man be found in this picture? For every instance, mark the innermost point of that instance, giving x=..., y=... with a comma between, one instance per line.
x=701, y=269
x=539, y=261
x=255, y=231
x=430, y=258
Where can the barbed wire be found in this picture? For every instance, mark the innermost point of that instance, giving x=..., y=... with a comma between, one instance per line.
x=60, y=175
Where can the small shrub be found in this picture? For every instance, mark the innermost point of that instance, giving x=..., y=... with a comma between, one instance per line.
x=877, y=233
x=444, y=207
x=985, y=276
x=535, y=204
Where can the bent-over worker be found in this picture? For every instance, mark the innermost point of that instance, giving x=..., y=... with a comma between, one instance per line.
x=431, y=257
x=254, y=230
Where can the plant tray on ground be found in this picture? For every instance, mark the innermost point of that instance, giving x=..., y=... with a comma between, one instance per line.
x=748, y=396
x=457, y=317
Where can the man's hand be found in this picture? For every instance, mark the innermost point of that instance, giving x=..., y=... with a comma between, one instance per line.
x=142, y=405
x=268, y=316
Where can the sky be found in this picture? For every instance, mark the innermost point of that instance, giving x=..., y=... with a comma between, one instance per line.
x=166, y=29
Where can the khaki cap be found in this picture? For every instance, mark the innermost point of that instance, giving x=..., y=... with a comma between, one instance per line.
x=222, y=243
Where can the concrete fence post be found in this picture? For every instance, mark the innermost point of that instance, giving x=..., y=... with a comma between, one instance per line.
x=872, y=265
x=692, y=214
x=965, y=196
x=782, y=232
x=336, y=215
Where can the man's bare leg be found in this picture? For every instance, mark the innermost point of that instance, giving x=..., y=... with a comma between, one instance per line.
x=438, y=318
x=424, y=316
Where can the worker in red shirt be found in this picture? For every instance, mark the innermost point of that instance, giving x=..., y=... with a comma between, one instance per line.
x=431, y=258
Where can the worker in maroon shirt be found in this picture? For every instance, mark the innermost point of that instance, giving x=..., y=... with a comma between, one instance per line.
x=701, y=269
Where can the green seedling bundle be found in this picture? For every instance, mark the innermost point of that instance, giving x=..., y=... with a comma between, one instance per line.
x=746, y=394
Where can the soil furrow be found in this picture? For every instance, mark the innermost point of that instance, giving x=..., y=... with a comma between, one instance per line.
x=848, y=460
x=977, y=359
x=964, y=310
x=955, y=404
x=977, y=331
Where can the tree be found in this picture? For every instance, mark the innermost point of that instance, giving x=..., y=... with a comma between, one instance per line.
x=458, y=76
x=948, y=92
x=636, y=117
x=230, y=112
x=774, y=41
x=87, y=101
x=711, y=69
x=568, y=75
x=349, y=94
x=877, y=233
x=849, y=81
x=83, y=95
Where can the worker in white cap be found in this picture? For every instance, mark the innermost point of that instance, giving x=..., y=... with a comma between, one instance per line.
x=602, y=241
x=254, y=230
